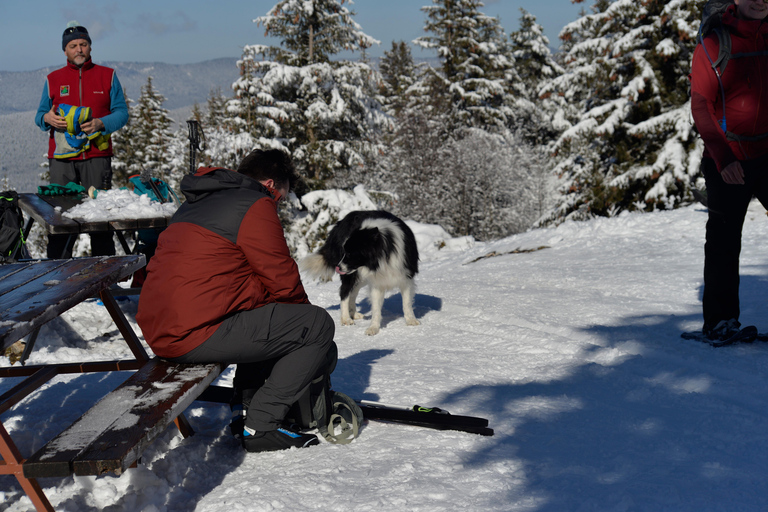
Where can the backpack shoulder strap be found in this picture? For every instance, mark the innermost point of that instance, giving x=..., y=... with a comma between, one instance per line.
x=344, y=424
x=724, y=39
x=711, y=21
x=724, y=54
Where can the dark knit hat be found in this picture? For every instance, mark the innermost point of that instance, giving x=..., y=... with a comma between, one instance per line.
x=72, y=32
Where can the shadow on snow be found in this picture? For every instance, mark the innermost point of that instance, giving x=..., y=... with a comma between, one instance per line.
x=669, y=425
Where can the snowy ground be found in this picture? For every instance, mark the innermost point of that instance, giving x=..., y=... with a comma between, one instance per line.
x=572, y=351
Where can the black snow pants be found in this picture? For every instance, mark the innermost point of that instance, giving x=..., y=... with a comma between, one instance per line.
x=727, y=206
x=290, y=342
x=94, y=172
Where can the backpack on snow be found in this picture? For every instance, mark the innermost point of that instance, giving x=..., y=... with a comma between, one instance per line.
x=711, y=21
x=11, y=226
x=336, y=416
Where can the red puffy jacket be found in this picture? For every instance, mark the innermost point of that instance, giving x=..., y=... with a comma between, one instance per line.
x=223, y=252
x=745, y=81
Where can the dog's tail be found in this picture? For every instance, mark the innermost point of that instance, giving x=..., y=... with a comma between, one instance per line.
x=315, y=266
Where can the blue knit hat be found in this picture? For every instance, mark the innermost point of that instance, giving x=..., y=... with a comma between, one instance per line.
x=72, y=32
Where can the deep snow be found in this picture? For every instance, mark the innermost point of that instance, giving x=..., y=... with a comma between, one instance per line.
x=572, y=351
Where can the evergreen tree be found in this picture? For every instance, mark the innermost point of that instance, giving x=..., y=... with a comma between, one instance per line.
x=145, y=143
x=398, y=75
x=123, y=148
x=325, y=113
x=535, y=66
x=476, y=64
x=533, y=59
x=215, y=110
x=628, y=142
x=312, y=31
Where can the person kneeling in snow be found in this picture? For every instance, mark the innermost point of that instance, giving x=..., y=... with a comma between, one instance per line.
x=222, y=287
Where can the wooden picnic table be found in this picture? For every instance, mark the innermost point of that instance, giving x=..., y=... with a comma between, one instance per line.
x=48, y=212
x=35, y=292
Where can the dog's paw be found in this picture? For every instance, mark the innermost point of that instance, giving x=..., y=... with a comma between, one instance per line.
x=372, y=330
x=347, y=321
x=412, y=321
x=358, y=316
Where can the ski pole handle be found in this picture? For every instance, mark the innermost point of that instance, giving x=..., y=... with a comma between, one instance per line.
x=432, y=410
x=194, y=142
x=415, y=408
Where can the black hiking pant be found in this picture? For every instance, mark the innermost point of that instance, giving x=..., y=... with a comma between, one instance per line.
x=727, y=206
x=282, y=346
x=93, y=172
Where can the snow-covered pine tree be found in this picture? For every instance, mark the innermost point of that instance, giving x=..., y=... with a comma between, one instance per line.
x=477, y=66
x=123, y=149
x=535, y=65
x=225, y=142
x=631, y=143
x=145, y=143
x=326, y=113
x=215, y=109
x=398, y=72
x=534, y=61
x=452, y=159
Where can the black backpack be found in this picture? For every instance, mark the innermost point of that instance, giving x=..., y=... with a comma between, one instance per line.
x=11, y=226
x=336, y=416
x=711, y=21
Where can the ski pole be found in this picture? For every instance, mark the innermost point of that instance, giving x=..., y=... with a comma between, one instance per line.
x=415, y=408
x=146, y=179
x=196, y=135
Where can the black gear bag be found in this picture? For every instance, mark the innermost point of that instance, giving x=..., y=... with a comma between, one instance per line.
x=11, y=226
x=336, y=416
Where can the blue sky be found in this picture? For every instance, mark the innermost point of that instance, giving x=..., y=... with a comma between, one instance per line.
x=185, y=31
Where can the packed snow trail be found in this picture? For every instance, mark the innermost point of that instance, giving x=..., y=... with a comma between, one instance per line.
x=573, y=352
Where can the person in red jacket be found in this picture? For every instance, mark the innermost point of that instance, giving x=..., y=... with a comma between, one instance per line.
x=79, y=84
x=735, y=155
x=223, y=287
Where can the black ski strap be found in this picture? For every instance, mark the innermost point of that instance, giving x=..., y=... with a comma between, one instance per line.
x=741, y=55
x=744, y=138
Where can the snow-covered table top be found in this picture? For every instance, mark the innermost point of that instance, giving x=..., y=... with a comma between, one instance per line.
x=112, y=210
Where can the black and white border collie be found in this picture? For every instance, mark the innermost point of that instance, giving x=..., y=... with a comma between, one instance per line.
x=372, y=248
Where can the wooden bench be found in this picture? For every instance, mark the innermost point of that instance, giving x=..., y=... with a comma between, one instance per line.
x=111, y=436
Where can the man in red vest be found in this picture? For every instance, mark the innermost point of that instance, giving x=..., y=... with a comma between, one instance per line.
x=80, y=84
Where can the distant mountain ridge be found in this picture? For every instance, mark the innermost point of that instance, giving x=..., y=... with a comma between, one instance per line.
x=181, y=84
